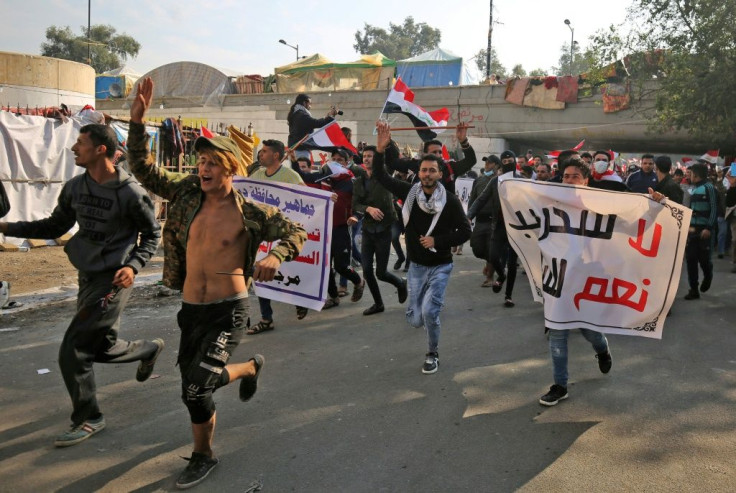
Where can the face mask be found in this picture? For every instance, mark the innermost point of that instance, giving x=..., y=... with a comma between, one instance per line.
x=488, y=173
x=600, y=166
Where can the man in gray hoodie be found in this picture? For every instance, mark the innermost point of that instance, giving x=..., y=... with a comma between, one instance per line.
x=118, y=233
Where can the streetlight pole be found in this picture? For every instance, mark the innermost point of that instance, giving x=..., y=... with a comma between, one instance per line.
x=572, y=42
x=295, y=47
x=89, y=31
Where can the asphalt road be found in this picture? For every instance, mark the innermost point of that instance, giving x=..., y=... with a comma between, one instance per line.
x=343, y=406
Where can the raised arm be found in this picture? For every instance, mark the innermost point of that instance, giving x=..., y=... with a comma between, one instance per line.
x=399, y=188
x=468, y=161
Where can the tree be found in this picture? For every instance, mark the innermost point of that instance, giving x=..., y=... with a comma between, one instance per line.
x=538, y=72
x=401, y=41
x=518, y=71
x=496, y=67
x=580, y=62
x=107, y=49
x=689, y=47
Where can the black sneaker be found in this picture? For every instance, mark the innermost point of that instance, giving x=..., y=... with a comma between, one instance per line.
x=198, y=468
x=431, y=363
x=249, y=385
x=556, y=394
x=145, y=367
x=692, y=295
x=705, y=285
x=403, y=291
x=373, y=309
x=604, y=361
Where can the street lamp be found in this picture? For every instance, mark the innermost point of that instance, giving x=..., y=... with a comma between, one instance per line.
x=295, y=47
x=572, y=42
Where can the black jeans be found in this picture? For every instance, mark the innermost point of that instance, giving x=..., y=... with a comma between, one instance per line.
x=92, y=337
x=340, y=253
x=697, y=253
x=377, y=244
x=396, y=229
x=502, y=253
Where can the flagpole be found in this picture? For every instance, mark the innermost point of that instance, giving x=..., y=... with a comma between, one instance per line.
x=300, y=142
x=430, y=128
x=375, y=132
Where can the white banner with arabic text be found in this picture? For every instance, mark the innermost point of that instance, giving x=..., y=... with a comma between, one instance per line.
x=303, y=281
x=602, y=260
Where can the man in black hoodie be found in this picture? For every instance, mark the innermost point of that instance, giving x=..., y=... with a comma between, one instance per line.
x=118, y=233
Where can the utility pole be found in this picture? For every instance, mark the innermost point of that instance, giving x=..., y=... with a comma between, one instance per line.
x=488, y=49
x=89, y=32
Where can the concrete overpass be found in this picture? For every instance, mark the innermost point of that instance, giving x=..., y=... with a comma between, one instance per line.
x=498, y=124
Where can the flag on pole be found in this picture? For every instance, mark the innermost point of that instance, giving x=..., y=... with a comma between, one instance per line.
x=401, y=100
x=711, y=156
x=328, y=138
x=556, y=154
x=205, y=132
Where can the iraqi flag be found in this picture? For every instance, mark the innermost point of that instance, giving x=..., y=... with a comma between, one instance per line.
x=328, y=138
x=710, y=156
x=556, y=154
x=401, y=100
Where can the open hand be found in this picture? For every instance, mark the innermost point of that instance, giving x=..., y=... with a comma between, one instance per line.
x=142, y=101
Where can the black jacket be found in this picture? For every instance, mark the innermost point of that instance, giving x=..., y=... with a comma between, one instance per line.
x=303, y=124
x=670, y=189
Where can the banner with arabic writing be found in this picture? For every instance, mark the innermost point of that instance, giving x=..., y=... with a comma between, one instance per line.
x=597, y=259
x=303, y=281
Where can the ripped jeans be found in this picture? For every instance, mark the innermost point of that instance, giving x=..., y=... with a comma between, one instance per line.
x=427, y=287
x=558, y=350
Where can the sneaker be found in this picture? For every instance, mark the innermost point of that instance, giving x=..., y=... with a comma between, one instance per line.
x=403, y=291
x=249, y=385
x=431, y=363
x=358, y=291
x=198, y=468
x=556, y=394
x=81, y=432
x=373, y=309
x=508, y=302
x=145, y=367
x=604, y=361
x=705, y=285
x=331, y=303
x=692, y=295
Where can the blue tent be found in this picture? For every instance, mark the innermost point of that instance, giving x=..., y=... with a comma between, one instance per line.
x=436, y=68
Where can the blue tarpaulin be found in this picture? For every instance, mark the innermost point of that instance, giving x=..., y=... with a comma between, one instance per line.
x=436, y=68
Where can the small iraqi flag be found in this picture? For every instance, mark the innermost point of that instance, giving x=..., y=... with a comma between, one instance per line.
x=401, y=100
x=328, y=138
x=711, y=156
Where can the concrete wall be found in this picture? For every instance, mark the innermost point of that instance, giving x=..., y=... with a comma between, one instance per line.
x=31, y=80
x=498, y=124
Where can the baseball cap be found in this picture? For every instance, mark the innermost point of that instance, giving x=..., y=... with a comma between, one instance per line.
x=508, y=154
x=219, y=142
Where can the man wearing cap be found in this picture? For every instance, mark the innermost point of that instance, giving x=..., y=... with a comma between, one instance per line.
x=211, y=228
x=501, y=252
x=645, y=178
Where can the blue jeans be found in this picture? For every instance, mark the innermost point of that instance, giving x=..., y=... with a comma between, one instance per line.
x=558, y=350
x=426, y=297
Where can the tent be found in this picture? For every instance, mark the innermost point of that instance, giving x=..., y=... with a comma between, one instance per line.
x=436, y=68
x=317, y=73
x=116, y=83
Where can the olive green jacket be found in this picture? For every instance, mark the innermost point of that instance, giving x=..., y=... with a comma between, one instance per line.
x=183, y=191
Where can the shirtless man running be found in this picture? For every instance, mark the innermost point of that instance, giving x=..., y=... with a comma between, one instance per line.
x=210, y=228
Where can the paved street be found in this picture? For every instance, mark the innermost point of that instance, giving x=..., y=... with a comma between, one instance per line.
x=342, y=405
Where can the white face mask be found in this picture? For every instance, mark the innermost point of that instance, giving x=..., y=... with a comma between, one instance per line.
x=600, y=166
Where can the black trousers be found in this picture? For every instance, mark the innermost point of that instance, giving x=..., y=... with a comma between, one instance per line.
x=340, y=253
x=697, y=253
x=502, y=254
x=92, y=337
x=377, y=245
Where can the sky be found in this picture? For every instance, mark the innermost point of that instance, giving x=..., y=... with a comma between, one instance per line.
x=242, y=35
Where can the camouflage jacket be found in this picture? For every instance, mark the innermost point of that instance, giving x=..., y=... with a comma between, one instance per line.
x=183, y=191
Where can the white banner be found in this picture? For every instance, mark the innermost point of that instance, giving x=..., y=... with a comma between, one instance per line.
x=303, y=281
x=463, y=186
x=597, y=259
